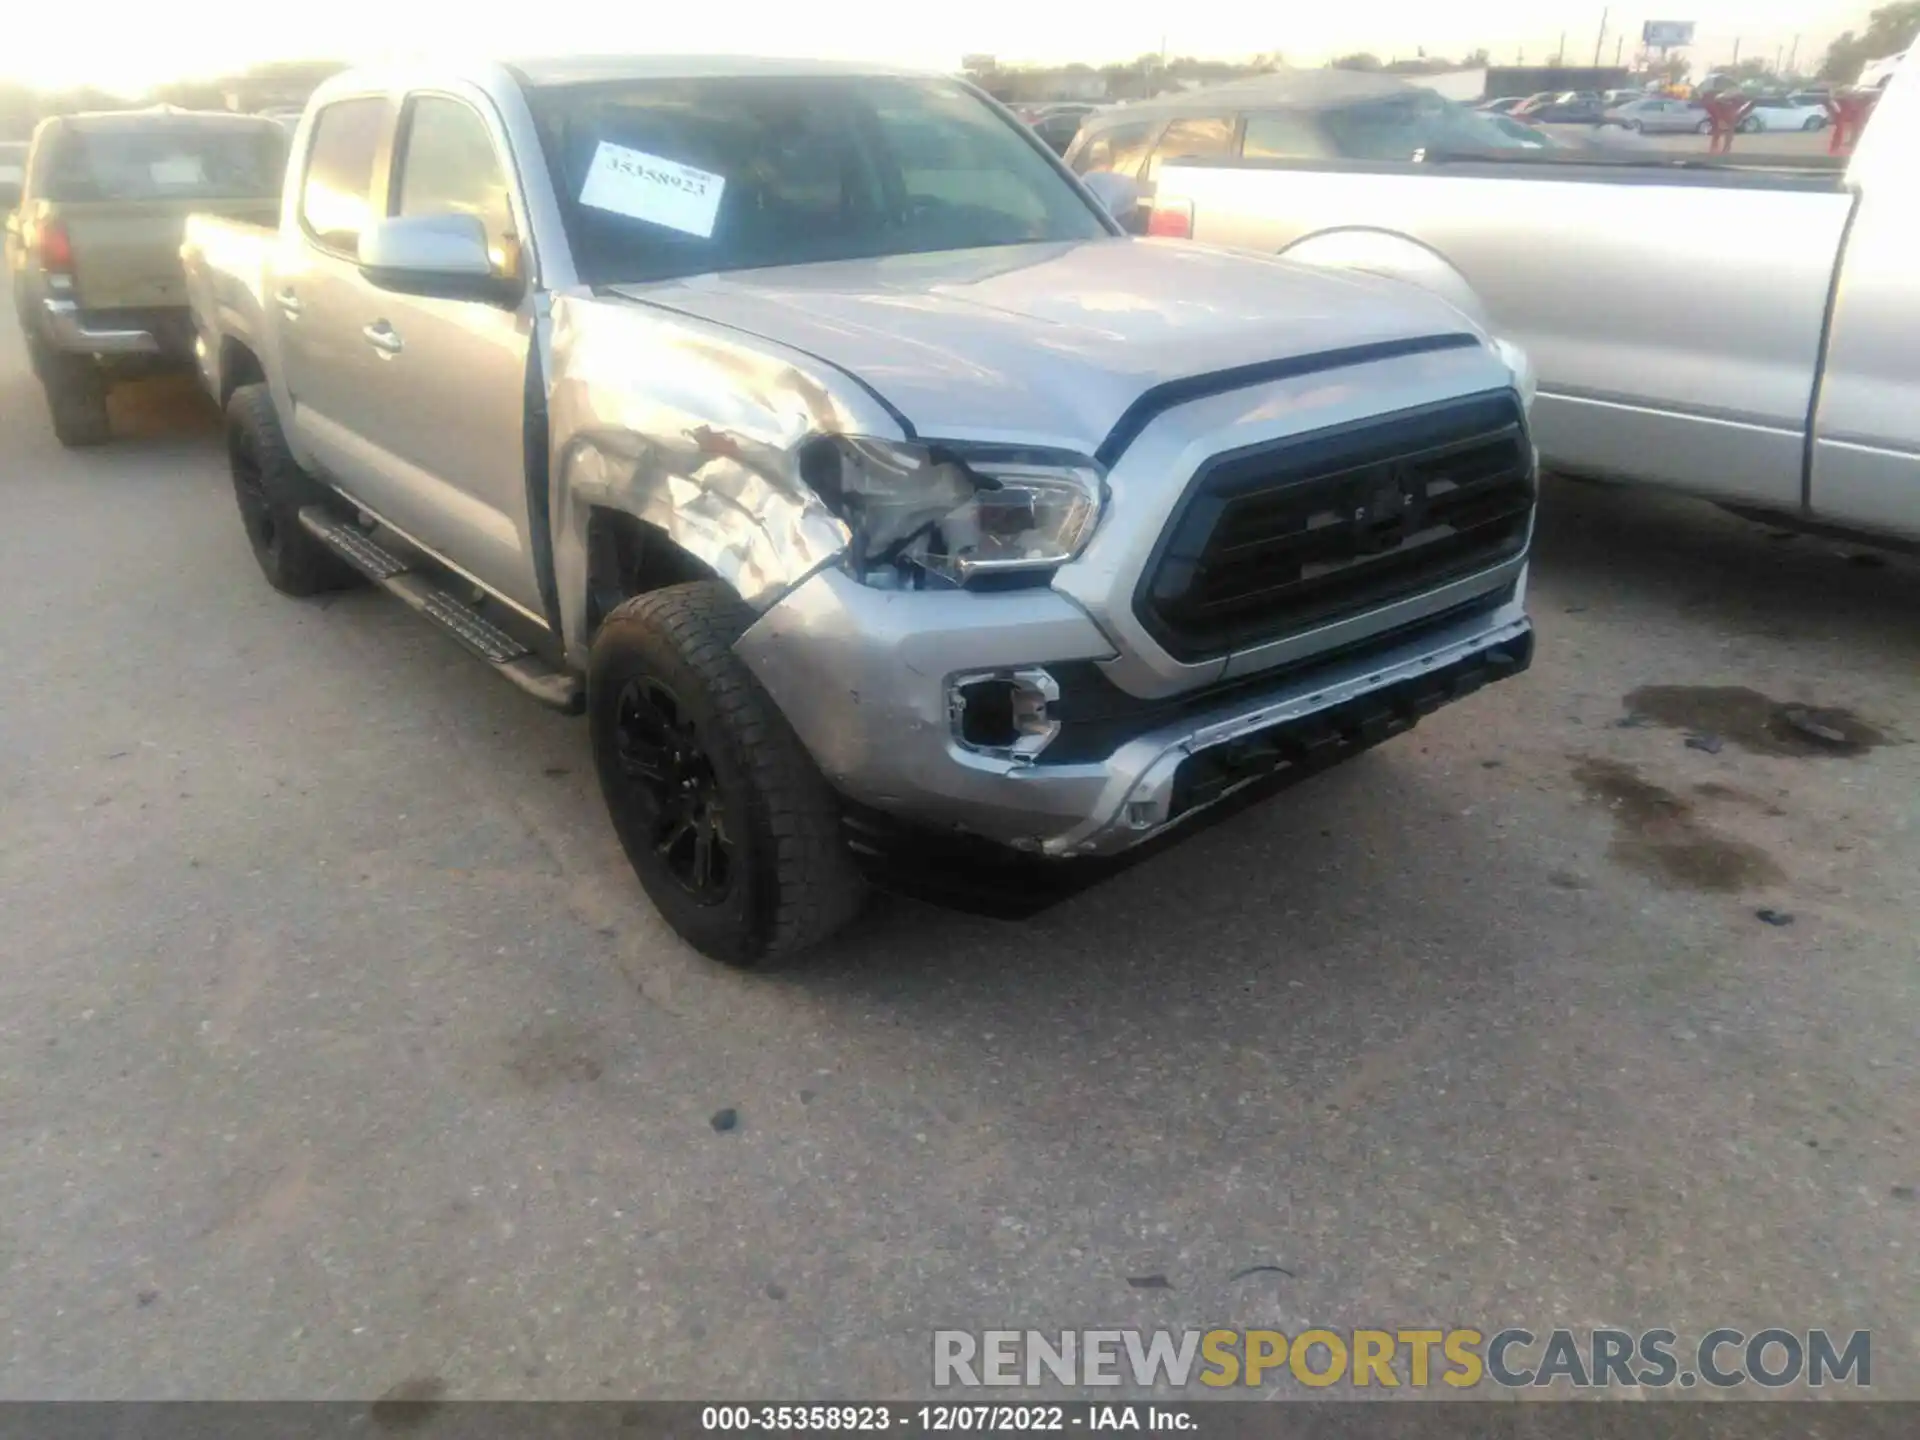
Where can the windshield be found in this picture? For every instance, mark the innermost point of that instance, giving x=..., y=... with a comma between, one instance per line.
x=165, y=162
x=664, y=178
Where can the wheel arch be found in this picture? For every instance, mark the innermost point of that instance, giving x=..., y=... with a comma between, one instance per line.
x=239, y=366
x=1391, y=256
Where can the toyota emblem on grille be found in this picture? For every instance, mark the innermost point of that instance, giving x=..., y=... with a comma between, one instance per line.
x=1394, y=507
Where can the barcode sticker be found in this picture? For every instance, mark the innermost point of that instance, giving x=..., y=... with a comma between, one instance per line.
x=654, y=189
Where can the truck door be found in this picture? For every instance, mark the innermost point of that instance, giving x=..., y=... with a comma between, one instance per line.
x=317, y=298
x=444, y=418
x=1865, y=461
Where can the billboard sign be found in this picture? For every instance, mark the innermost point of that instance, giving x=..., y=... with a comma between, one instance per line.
x=1666, y=34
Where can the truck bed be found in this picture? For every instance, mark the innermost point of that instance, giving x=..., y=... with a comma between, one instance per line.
x=225, y=262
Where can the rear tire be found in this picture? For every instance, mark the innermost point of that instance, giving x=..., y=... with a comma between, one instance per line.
x=270, y=489
x=1705, y=127
x=1815, y=122
x=76, y=399
x=1635, y=126
x=730, y=827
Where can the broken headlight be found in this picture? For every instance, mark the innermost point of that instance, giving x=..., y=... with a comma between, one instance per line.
x=925, y=515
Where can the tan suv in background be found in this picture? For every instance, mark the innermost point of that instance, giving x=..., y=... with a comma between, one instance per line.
x=94, y=243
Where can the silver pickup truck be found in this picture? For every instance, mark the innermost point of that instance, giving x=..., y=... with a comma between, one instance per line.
x=1733, y=328
x=890, y=512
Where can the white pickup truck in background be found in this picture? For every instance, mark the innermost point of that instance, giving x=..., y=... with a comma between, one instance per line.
x=1742, y=332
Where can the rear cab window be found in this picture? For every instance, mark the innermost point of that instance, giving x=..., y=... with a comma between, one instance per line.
x=1120, y=149
x=1283, y=135
x=336, y=193
x=160, y=160
x=1194, y=137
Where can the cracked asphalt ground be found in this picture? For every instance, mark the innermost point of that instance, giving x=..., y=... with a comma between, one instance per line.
x=341, y=1056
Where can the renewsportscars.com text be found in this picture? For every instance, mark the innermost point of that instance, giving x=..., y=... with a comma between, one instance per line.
x=1458, y=1359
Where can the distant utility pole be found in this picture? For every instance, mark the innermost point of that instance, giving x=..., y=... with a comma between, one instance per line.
x=1619, y=45
x=1793, y=55
x=1560, y=57
x=1736, y=53
x=1600, y=39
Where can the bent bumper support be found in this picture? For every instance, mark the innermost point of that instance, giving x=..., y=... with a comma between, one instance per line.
x=1198, y=787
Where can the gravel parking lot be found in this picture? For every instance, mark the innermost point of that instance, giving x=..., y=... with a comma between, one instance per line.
x=341, y=1056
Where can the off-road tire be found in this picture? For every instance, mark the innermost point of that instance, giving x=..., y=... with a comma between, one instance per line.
x=270, y=489
x=791, y=881
x=76, y=399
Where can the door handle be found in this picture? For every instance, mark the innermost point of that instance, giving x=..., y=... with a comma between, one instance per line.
x=288, y=302
x=383, y=338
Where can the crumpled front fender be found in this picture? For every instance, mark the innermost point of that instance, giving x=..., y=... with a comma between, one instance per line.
x=694, y=429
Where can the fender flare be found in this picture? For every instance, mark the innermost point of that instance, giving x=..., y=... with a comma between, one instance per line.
x=1391, y=256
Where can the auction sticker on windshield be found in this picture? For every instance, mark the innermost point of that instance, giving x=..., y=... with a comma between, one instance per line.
x=654, y=189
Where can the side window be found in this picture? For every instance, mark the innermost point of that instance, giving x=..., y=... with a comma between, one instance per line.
x=336, y=196
x=1119, y=148
x=447, y=166
x=1193, y=137
x=1283, y=135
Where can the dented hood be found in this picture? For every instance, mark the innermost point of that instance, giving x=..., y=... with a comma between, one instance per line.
x=1049, y=345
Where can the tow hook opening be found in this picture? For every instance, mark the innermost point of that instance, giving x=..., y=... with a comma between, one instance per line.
x=1008, y=714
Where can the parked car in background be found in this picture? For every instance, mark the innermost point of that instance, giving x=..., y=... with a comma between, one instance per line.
x=1658, y=116
x=1739, y=332
x=1503, y=106
x=882, y=504
x=1783, y=112
x=1571, y=107
x=94, y=245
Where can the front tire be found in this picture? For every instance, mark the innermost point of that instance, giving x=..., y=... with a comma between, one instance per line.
x=1705, y=127
x=76, y=400
x=1815, y=122
x=270, y=487
x=729, y=825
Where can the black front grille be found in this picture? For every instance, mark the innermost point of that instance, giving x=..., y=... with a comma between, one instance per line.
x=1280, y=538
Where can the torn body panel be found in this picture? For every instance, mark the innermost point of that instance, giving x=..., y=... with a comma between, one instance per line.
x=687, y=428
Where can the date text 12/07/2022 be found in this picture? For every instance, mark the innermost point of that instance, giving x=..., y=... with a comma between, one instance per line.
x=996, y=1419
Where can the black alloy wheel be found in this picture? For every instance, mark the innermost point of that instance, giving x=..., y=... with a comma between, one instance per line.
x=672, y=779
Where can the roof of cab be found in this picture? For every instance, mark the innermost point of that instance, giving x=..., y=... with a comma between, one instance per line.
x=595, y=69
x=105, y=120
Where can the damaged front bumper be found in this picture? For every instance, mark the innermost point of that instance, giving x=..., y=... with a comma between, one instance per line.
x=866, y=678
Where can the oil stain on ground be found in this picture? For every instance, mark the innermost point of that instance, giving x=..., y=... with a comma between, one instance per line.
x=1660, y=835
x=1754, y=721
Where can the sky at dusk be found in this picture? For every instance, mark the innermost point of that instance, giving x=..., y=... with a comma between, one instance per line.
x=121, y=45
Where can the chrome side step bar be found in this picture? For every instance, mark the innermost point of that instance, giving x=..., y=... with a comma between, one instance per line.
x=509, y=657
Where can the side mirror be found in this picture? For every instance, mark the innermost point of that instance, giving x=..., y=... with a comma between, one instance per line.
x=1119, y=194
x=442, y=256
